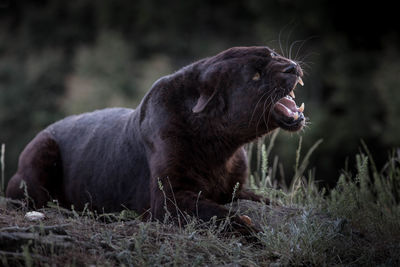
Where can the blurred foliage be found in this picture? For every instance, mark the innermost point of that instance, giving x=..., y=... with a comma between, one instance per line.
x=63, y=57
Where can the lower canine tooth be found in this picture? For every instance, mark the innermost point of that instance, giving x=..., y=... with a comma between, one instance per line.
x=301, y=108
x=292, y=94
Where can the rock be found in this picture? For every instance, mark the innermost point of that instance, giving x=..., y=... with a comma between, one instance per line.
x=34, y=216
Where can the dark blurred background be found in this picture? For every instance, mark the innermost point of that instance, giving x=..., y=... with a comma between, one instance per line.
x=65, y=57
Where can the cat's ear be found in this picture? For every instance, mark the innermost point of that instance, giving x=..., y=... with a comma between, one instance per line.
x=203, y=101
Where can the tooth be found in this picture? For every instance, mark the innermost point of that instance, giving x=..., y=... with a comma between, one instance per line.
x=301, y=108
x=295, y=116
x=292, y=94
x=300, y=81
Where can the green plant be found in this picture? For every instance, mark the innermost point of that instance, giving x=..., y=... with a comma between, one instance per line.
x=370, y=200
x=333, y=227
x=263, y=178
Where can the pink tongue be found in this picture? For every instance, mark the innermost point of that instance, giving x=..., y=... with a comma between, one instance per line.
x=286, y=107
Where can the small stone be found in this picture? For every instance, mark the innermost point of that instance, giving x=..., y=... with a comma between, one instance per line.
x=34, y=216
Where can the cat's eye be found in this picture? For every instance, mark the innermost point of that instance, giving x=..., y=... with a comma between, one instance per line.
x=256, y=76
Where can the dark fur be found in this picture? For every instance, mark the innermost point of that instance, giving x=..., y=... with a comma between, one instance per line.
x=188, y=133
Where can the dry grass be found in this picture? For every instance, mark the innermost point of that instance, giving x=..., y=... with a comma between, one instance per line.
x=289, y=236
x=68, y=238
x=355, y=224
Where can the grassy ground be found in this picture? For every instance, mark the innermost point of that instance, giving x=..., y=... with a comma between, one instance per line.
x=355, y=224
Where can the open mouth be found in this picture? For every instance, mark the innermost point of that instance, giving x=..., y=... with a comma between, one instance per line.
x=287, y=114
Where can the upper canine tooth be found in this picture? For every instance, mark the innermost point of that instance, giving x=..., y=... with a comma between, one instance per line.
x=292, y=94
x=300, y=81
x=301, y=108
x=295, y=116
